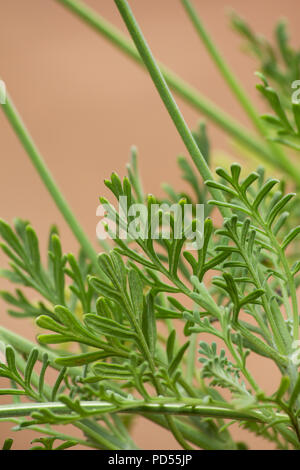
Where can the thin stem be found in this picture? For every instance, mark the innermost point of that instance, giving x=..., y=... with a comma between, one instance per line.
x=25, y=346
x=182, y=88
x=238, y=91
x=154, y=414
x=290, y=283
x=164, y=406
x=289, y=278
x=61, y=436
x=45, y=175
x=159, y=389
x=166, y=96
x=192, y=352
x=102, y=442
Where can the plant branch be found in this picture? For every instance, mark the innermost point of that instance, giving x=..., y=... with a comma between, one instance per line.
x=167, y=97
x=165, y=406
x=177, y=84
x=237, y=89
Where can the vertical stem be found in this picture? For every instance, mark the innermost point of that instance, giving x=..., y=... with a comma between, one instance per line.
x=158, y=387
x=48, y=180
x=167, y=98
x=176, y=83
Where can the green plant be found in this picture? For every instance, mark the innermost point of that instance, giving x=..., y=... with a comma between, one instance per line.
x=111, y=307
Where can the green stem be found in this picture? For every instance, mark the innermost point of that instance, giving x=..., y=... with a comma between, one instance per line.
x=166, y=96
x=164, y=406
x=289, y=278
x=182, y=88
x=45, y=175
x=104, y=443
x=61, y=436
x=158, y=416
x=200, y=438
x=237, y=89
x=159, y=389
x=192, y=354
x=25, y=346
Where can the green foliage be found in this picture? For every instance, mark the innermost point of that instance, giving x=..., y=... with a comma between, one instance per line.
x=279, y=64
x=47, y=443
x=109, y=323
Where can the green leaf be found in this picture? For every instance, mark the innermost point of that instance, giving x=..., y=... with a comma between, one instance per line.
x=295, y=392
x=32, y=244
x=82, y=359
x=149, y=323
x=11, y=360
x=230, y=206
x=11, y=239
x=221, y=187
x=105, y=370
x=278, y=208
x=43, y=321
x=283, y=387
x=31, y=361
x=136, y=292
x=55, y=339
x=248, y=181
x=104, y=289
x=263, y=192
x=235, y=169
x=296, y=112
x=177, y=359
x=58, y=383
x=290, y=237
x=274, y=101
x=108, y=327
x=252, y=297
x=170, y=346
x=7, y=444
x=203, y=298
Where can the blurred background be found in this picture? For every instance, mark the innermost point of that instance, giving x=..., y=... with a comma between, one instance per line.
x=85, y=104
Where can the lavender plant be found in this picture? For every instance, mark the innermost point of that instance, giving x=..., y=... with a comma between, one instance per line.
x=240, y=287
